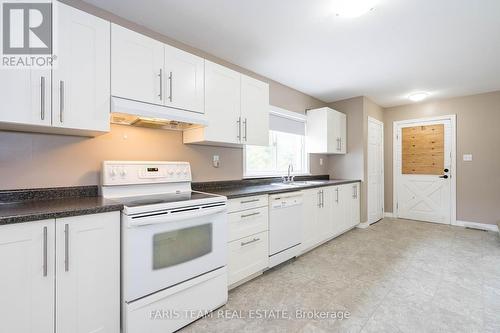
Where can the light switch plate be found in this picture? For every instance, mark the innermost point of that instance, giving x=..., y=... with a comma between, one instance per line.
x=320, y=161
x=467, y=157
x=216, y=161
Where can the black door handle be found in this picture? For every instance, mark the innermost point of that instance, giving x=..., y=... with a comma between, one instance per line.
x=446, y=170
x=445, y=176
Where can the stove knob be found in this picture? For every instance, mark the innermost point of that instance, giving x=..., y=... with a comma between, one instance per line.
x=179, y=172
x=112, y=172
x=186, y=171
x=170, y=172
x=123, y=172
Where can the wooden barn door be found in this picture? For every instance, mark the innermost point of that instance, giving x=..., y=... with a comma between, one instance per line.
x=423, y=163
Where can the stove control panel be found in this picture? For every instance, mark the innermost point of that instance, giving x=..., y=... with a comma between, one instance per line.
x=127, y=173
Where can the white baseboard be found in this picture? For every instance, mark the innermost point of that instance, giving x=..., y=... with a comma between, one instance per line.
x=388, y=214
x=363, y=225
x=475, y=225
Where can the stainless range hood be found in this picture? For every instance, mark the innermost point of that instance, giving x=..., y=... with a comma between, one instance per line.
x=133, y=113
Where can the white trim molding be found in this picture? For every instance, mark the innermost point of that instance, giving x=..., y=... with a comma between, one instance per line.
x=363, y=225
x=475, y=225
x=388, y=214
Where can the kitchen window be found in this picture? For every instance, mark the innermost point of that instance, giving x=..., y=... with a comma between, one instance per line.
x=286, y=147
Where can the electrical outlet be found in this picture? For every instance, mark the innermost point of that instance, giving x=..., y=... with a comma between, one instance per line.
x=467, y=157
x=320, y=161
x=216, y=161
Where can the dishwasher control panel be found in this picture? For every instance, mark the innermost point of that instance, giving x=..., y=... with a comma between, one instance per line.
x=285, y=200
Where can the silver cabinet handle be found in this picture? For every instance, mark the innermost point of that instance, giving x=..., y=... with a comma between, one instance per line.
x=171, y=82
x=354, y=192
x=66, y=247
x=341, y=144
x=249, y=201
x=337, y=198
x=42, y=98
x=249, y=215
x=319, y=199
x=250, y=242
x=61, y=101
x=322, y=198
x=160, y=95
x=45, y=251
x=239, y=128
x=245, y=127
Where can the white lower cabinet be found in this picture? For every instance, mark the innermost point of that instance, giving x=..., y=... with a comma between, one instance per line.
x=248, y=256
x=88, y=273
x=248, y=247
x=61, y=275
x=311, y=203
x=352, y=205
x=27, y=277
x=328, y=212
x=247, y=222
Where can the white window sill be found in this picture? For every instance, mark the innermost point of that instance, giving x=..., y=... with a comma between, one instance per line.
x=276, y=176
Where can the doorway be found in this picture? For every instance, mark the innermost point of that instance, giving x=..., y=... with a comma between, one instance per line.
x=375, y=170
x=425, y=169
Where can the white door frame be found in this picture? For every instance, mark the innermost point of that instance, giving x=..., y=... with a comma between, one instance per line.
x=395, y=140
x=378, y=122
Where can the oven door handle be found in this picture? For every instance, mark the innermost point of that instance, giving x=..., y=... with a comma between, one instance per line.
x=173, y=217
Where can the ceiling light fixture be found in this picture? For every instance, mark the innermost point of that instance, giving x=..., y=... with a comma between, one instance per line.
x=418, y=96
x=353, y=8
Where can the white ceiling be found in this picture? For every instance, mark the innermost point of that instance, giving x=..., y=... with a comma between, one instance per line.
x=446, y=47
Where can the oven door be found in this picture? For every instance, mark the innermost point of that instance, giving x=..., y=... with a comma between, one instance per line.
x=160, y=250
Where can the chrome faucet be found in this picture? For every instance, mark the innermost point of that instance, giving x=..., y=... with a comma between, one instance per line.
x=289, y=178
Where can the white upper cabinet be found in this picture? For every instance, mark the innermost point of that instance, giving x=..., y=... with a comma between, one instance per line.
x=146, y=70
x=254, y=111
x=72, y=97
x=27, y=277
x=184, y=80
x=137, y=66
x=81, y=80
x=326, y=131
x=222, y=107
x=25, y=97
x=237, y=108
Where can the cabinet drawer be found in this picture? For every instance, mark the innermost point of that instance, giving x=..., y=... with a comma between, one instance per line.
x=247, y=256
x=247, y=222
x=247, y=203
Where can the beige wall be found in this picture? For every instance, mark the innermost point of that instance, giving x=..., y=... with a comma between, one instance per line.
x=40, y=160
x=351, y=165
x=478, y=133
x=354, y=164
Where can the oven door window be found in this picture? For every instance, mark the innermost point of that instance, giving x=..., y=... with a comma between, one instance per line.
x=176, y=247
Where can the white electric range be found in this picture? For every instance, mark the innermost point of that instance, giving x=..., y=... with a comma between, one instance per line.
x=174, y=251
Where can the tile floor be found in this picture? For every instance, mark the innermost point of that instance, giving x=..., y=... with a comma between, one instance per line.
x=396, y=276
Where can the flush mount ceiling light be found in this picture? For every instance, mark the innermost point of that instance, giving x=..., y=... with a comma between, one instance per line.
x=418, y=96
x=353, y=8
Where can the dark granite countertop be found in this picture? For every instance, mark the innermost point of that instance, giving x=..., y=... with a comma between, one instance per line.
x=32, y=205
x=245, y=188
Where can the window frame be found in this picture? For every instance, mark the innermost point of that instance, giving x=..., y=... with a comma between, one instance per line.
x=307, y=167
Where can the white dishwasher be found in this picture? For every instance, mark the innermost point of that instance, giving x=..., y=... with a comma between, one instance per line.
x=285, y=225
